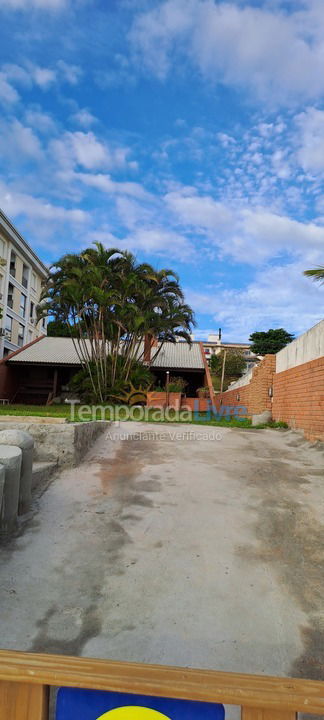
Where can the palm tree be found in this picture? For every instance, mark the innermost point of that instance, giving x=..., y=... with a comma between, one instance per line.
x=110, y=303
x=316, y=274
x=77, y=292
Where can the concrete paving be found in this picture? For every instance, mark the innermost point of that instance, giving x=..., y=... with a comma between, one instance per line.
x=188, y=545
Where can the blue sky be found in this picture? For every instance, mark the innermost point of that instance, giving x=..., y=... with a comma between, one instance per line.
x=188, y=131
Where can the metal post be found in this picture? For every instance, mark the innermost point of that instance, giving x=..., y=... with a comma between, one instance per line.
x=167, y=387
x=223, y=371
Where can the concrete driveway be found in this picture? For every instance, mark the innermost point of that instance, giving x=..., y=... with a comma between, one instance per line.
x=186, y=545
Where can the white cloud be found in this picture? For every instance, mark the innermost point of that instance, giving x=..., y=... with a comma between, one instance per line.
x=278, y=297
x=225, y=139
x=158, y=241
x=29, y=74
x=17, y=74
x=87, y=150
x=133, y=214
x=107, y=185
x=17, y=140
x=34, y=4
x=263, y=234
x=84, y=149
x=247, y=235
x=199, y=211
x=151, y=241
x=40, y=121
x=8, y=94
x=17, y=203
x=70, y=73
x=278, y=57
x=43, y=77
x=311, y=151
x=84, y=118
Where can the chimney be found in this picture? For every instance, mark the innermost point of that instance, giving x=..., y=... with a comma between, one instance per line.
x=219, y=334
x=149, y=342
x=147, y=349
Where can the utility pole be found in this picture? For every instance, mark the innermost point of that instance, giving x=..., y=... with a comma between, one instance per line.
x=167, y=387
x=223, y=371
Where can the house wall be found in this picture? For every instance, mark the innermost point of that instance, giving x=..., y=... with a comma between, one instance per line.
x=296, y=376
x=307, y=347
x=298, y=392
x=252, y=390
x=160, y=400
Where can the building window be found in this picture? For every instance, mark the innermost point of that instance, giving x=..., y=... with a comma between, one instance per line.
x=31, y=311
x=25, y=274
x=13, y=258
x=33, y=282
x=10, y=296
x=30, y=335
x=22, y=307
x=2, y=249
x=6, y=352
x=44, y=323
x=20, y=335
x=8, y=327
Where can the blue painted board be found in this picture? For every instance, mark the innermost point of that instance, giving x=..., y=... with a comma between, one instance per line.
x=77, y=704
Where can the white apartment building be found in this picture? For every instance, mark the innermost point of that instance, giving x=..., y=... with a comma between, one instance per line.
x=214, y=345
x=21, y=276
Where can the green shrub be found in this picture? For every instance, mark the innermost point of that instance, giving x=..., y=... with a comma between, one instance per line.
x=177, y=384
x=139, y=377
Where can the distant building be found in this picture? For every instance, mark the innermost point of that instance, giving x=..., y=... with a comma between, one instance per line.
x=214, y=345
x=21, y=275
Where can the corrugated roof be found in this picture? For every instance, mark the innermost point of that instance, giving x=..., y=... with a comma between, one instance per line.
x=61, y=351
x=179, y=355
x=51, y=350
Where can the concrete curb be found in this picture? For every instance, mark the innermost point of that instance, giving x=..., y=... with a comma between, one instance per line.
x=11, y=459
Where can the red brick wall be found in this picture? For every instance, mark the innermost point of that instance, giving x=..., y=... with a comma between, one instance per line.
x=254, y=396
x=159, y=400
x=298, y=398
x=190, y=403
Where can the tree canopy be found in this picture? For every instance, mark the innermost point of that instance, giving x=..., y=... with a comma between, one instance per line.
x=316, y=274
x=58, y=328
x=109, y=302
x=235, y=364
x=270, y=342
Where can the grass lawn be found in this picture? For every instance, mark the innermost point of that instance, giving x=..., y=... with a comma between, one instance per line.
x=152, y=415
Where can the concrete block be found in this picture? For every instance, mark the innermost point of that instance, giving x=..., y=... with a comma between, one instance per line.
x=61, y=443
x=262, y=418
x=25, y=442
x=10, y=458
x=42, y=473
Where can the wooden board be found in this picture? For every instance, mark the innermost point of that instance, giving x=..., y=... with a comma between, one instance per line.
x=259, y=714
x=251, y=691
x=23, y=701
